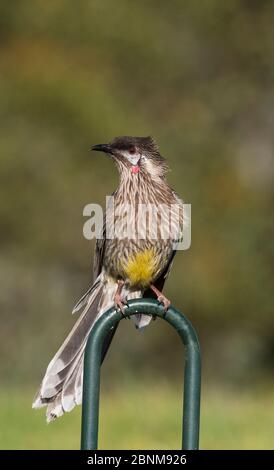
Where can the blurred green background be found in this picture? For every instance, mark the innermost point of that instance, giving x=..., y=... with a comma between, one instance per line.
x=198, y=76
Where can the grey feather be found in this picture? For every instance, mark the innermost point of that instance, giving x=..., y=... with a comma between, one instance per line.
x=61, y=388
x=85, y=298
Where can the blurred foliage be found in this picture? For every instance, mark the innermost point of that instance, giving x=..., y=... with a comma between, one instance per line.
x=198, y=76
x=143, y=416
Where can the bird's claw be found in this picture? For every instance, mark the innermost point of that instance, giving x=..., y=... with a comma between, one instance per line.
x=161, y=298
x=164, y=301
x=120, y=304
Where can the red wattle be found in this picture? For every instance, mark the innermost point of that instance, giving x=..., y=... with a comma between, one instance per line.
x=135, y=169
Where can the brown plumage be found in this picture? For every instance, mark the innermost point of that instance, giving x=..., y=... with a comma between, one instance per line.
x=132, y=259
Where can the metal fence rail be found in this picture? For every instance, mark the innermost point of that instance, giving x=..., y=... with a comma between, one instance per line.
x=92, y=364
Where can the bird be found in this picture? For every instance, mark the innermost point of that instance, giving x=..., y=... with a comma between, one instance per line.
x=129, y=264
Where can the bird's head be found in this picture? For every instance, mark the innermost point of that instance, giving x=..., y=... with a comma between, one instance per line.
x=135, y=155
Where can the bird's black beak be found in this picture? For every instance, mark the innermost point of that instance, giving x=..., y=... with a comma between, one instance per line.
x=102, y=148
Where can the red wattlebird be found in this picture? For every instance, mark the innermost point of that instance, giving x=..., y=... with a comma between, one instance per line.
x=129, y=264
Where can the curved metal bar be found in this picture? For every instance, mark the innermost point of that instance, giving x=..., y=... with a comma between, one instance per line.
x=92, y=363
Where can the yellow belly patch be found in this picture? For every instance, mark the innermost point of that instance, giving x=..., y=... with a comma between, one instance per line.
x=141, y=267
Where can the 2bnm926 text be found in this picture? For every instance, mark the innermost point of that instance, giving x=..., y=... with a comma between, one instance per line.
x=138, y=459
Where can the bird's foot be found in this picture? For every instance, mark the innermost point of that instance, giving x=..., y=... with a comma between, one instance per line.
x=161, y=298
x=119, y=301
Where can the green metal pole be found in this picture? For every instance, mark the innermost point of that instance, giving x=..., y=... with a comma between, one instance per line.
x=92, y=363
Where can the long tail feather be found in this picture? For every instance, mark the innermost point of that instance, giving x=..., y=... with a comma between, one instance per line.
x=61, y=388
x=85, y=298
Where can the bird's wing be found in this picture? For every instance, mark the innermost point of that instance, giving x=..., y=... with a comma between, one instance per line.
x=99, y=251
x=99, y=254
x=97, y=268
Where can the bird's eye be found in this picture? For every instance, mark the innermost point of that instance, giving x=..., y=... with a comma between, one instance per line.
x=132, y=150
